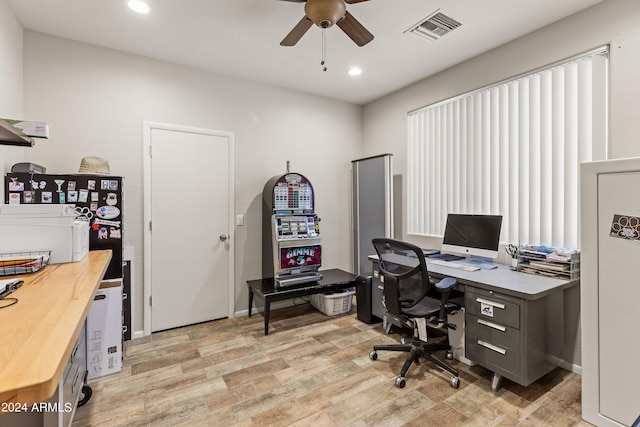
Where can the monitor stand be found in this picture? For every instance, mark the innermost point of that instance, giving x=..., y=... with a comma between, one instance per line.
x=483, y=263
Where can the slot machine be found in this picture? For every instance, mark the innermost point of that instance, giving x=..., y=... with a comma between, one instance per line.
x=291, y=244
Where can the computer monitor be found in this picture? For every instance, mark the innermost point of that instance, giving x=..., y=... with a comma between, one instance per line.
x=473, y=235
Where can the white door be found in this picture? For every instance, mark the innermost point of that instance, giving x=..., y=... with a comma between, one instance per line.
x=188, y=246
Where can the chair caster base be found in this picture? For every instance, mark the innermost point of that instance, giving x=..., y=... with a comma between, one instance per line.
x=454, y=382
x=449, y=355
x=85, y=395
x=400, y=382
x=373, y=355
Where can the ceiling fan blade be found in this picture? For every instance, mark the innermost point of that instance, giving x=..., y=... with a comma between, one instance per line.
x=348, y=1
x=298, y=31
x=355, y=30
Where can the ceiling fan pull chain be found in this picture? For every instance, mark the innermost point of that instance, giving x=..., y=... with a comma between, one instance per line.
x=324, y=52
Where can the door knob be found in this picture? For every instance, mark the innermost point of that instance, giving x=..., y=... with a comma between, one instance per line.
x=223, y=237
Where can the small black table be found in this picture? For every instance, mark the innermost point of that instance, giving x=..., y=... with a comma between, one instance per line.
x=332, y=280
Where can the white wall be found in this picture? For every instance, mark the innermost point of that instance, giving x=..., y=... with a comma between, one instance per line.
x=11, y=97
x=95, y=101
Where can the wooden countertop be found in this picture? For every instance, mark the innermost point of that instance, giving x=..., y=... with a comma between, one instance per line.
x=38, y=333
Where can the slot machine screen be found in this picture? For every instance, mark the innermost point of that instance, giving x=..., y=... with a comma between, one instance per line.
x=300, y=257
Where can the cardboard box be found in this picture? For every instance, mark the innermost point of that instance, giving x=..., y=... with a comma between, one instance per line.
x=33, y=129
x=104, y=331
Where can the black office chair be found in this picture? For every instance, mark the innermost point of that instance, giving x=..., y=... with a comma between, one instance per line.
x=406, y=285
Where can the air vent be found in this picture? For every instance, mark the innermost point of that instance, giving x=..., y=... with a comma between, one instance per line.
x=435, y=26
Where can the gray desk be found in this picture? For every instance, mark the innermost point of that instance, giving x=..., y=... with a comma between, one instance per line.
x=514, y=324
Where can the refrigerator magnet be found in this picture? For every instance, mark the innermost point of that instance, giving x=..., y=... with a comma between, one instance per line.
x=108, y=212
x=83, y=195
x=15, y=185
x=91, y=184
x=625, y=227
x=102, y=233
x=112, y=199
x=14, y=198
x=61, y=198
x=95, y=196
x=72, y=196
x=59, y=183
x=29, y=196
x=104, y=184
x=71, y=185
x=47, y=197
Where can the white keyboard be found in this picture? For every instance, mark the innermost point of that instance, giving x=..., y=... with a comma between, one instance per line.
x=451, y=264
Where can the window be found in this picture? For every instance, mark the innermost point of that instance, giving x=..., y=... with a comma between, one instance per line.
x=512, y=149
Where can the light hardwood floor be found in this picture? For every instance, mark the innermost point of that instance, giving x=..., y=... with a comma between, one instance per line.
x=311, y=370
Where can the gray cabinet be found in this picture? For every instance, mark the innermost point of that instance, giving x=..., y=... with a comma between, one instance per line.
x=519, y=339
x=372, y=210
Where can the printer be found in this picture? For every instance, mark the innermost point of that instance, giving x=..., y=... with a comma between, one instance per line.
x=32, y=228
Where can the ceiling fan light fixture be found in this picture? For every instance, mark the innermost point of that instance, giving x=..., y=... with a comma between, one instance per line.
x=325, y=13
x=139, y=6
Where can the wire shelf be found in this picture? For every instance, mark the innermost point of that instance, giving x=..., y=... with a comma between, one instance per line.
x=23, y=262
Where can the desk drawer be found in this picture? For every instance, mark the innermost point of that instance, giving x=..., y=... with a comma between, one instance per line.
x=492, y=307
x=502, y=360
x=492, y=332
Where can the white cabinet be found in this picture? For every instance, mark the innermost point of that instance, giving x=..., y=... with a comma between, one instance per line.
x=610, y=227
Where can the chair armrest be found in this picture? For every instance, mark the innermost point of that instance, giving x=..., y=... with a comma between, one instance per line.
x=446, y=284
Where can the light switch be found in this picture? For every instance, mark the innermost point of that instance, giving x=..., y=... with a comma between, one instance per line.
x=239, y=219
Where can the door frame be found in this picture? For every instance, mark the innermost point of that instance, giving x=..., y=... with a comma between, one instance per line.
x=147, y=127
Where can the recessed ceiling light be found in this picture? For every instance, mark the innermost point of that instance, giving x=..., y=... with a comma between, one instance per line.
x=139, y=6
x=354, y=71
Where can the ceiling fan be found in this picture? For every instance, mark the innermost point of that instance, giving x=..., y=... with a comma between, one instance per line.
x=326, y=13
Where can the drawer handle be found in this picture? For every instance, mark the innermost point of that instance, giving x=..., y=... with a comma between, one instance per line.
x=492, y=347
x=491, y=303
x=75, y=381
x=492, y=325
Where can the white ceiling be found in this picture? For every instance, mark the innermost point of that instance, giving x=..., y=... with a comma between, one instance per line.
x=241, y=37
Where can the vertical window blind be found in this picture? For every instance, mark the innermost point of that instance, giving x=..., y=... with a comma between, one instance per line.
x=512, y=149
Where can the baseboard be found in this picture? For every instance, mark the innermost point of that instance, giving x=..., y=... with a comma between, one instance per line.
x=576, y=369
x=137, y=334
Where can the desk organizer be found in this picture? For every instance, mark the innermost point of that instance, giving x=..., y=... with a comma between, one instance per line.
x=563, y=263
x=22, y=262
x=333, y=304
